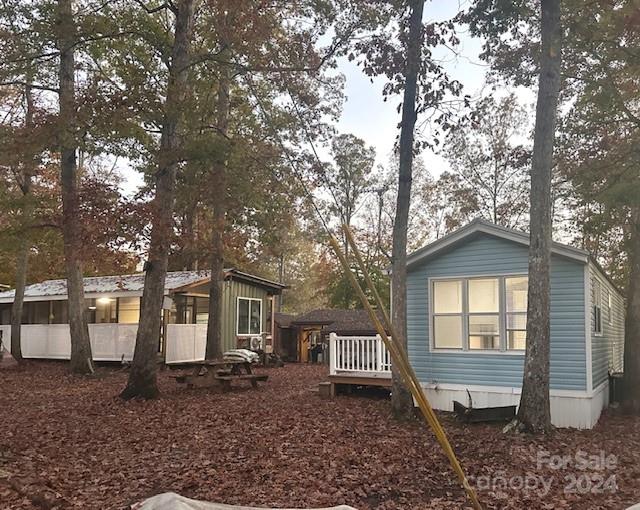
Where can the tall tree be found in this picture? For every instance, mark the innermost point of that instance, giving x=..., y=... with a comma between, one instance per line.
x=488, y=155
x=218, y=189
x=81, y=357
x=142, y=380
x=24, y=180
x=523, y=40
x=349, y=179
x=401, y=48
x=534, y=412
x=402, y=402
x=600, y=152
x=631, y=398
x=274, y=57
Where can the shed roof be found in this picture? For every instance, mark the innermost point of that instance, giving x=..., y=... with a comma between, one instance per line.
x=482, y=226
x=351, y=322
x=283, y=319
x=132, y=283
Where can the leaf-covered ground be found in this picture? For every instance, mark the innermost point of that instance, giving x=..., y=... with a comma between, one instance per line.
x=69, y=442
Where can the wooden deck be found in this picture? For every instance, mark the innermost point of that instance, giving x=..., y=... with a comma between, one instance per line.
x=357, y=361
x=330, y=388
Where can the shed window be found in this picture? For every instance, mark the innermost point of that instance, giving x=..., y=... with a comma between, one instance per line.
x=128, y=310
x=5, y=314
x=106, y=310
x=59, y=312
x=485, y=313
x=249, y=316
x=202, y=310
x=38, y=312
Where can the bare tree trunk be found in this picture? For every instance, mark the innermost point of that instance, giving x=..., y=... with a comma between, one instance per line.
x=534, y=413
x=18, y=301
x=81, y=358
x=218, y=188
x=631, y=399
x=22, y=262
x=281, y=280
x=401, y=401
x=143, y=376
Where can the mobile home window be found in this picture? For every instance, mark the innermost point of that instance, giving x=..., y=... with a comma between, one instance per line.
x=249, y=316
x=484, y=313
x=447, y=314
x=607, y=305
x=596, y=316
x=516, y=309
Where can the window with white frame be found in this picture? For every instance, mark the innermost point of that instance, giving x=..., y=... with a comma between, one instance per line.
x=596, y=300
x=516, y=289
x=249, y=316
x=484, y=313
x=607, y=304
x=447, y=314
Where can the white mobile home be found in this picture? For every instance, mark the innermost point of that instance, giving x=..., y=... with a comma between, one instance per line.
x=113, y=310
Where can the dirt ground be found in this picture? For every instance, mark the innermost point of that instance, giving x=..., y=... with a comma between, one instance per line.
x=68, y=442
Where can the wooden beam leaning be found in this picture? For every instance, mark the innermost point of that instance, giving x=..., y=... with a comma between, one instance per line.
x=399, y=357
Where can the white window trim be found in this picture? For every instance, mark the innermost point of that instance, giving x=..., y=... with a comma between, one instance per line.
x=238, y=316
x=503, y=351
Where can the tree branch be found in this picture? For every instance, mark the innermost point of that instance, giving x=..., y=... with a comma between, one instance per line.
x=27, y=84
x=152, y=10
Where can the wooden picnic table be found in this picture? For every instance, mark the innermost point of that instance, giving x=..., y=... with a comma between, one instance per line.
x=222, y=373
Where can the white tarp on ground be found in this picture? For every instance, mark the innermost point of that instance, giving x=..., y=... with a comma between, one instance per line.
x=172, y=501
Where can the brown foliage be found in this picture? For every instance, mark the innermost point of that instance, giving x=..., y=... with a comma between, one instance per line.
x=69, y=442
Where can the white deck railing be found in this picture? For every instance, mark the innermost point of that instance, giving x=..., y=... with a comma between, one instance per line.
x=358, y=356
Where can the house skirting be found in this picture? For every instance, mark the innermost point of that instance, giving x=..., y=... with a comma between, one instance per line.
x=577, y=409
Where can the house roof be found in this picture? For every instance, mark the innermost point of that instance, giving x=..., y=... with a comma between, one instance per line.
x=482, y=226
x=128, y=284
x=344, y=322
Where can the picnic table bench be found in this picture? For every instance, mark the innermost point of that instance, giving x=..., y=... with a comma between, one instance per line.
x=209, y=373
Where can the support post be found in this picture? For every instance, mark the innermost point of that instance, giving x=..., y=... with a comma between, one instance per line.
x=332, y=353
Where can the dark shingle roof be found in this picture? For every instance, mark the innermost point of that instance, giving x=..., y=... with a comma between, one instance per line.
x=353, y=322
x=283, y=319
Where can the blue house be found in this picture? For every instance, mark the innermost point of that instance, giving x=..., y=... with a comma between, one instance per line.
x=466, y=320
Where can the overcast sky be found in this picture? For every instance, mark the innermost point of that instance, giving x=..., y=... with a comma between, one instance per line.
x=367, y=116
x=365, y=113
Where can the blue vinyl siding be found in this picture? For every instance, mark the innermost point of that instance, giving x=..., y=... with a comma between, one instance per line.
x=607, y=348
x=489, y=255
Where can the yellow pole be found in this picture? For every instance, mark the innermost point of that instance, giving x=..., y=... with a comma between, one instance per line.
x=399, y=358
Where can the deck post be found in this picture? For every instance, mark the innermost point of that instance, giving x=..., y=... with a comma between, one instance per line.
x=380, y=348
x=332, y=353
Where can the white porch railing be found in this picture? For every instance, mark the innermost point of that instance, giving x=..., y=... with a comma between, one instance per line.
x=109, y=342
x=358, y=356
x=185, y=342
